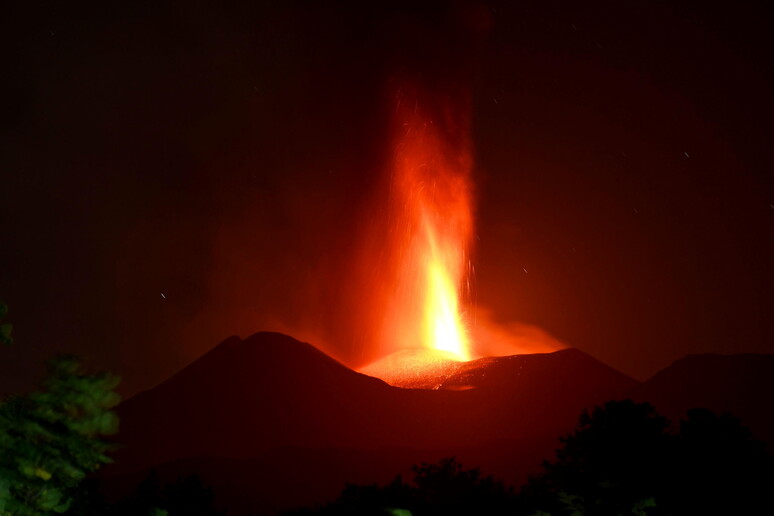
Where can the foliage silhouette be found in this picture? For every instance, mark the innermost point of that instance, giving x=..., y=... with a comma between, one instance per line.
x=606, y=465
x=88, y=500
x=622, y=459
x=187, y=496
x=445, y=487
x=719, y=467
x=51, y=439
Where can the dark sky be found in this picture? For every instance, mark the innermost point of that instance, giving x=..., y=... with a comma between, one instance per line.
x=226, y=157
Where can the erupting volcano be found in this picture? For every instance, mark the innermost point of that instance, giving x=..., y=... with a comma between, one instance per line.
x=428, y=236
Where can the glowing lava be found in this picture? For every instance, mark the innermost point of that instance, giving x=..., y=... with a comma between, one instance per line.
x=431, y=227
x=444, y=328
x=417, y=254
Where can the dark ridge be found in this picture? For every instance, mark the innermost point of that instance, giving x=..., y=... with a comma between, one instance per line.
x=272, y=403
x=740, y=384
x=248, y=396
x=242, y=397
x=497, y=372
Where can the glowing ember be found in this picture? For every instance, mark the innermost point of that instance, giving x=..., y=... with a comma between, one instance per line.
x=431, y=228
x=415, y=368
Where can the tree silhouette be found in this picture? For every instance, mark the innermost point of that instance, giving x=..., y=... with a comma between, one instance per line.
x=621, y=459
x=88, y=500
x=50, y=440
x=607, y=464
x=445, y=487
x=143, y=501
x=187, y=496
x=720, y=467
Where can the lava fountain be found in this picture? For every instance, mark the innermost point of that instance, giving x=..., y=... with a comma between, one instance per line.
x=428, y=238
x=432, y=188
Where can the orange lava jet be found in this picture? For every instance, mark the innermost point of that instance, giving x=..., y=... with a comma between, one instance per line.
x=429, y=233
x=416, y=256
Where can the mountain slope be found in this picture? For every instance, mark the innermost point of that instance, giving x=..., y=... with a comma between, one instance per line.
x=280, y=405
x=741, y=385
x=248, y=396
x=271, y=422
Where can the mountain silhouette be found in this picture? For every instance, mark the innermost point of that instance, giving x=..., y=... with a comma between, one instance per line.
x=271, y=422
x=253, y=398
x=741, y=385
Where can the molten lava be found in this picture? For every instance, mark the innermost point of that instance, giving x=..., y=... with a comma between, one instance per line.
x=418, y=256
x=444, y=329
x=430, y=230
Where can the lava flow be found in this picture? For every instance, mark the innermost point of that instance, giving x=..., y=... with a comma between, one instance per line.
x=429, y=234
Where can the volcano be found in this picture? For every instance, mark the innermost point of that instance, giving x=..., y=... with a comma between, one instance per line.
x=273, y=400
x=271, y=423
x=271, y=390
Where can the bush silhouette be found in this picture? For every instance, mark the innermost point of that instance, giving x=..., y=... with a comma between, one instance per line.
x=51, y=439
x=622, y=459
x=719, y=467
x=187, y=496
x=607, y=464
x=445, y=487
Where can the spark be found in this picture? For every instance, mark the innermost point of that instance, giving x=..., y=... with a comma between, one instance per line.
x=686, y=155
x=163, y=296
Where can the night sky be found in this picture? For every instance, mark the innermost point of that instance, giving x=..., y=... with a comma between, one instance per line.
x=175, y=174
